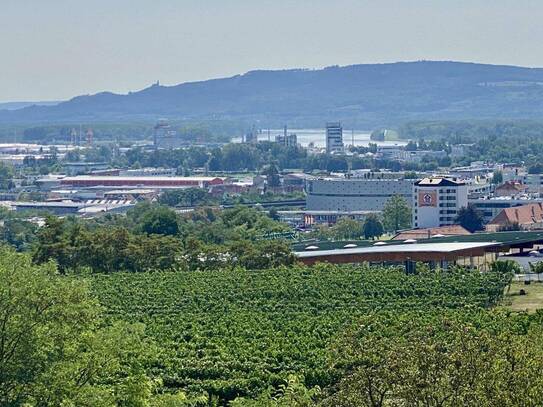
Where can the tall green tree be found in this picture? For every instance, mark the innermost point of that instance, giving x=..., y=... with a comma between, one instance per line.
x=497, y=177
x=55, y=348
x=470, y=218
x=396, y=214
x=159, y=221
x=346, y=228
x=372, y=227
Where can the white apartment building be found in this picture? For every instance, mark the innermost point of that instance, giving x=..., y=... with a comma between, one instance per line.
x=355, y=194
x=436, y=201
x=334, y=137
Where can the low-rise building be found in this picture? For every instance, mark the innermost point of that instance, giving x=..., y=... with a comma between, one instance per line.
x=509, y=188
x=525, y=217
x=77, y=168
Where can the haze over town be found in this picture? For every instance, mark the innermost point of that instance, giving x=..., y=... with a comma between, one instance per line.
x=276, y=204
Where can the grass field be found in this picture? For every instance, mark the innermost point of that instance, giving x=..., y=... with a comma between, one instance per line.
x=532, y=301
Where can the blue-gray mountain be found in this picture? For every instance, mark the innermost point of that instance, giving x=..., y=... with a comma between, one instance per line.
x=361, y=96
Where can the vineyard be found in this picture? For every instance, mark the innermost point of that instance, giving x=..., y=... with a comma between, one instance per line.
x=235, y=333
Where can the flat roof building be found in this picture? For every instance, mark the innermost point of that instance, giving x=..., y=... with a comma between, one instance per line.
x=86, y=181
x=334, y=137
x=354, y=194
x=436, y=201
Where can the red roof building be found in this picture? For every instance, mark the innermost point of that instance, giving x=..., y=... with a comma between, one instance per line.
x=527, y=217
x=88, y=181
x=510, y=188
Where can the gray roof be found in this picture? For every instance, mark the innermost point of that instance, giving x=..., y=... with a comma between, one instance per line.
x=399, y=248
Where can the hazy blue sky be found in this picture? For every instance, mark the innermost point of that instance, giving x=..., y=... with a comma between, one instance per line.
x=55, y=49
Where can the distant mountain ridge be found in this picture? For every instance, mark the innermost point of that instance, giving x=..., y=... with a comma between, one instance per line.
x=21, y=105
x=361, y=96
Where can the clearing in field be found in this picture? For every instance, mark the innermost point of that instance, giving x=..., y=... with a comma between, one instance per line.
x=531, y=301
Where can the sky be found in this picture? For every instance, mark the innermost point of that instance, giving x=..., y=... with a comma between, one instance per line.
x=57, y=49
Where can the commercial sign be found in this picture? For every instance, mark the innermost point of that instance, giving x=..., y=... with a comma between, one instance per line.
x=427, y=198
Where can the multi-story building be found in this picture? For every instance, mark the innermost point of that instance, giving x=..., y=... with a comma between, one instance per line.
x=334, y=137
x=436, y=201
x=354, y=194
x=490, y=207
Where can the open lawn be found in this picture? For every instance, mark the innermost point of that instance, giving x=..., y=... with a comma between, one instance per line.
x=532, y=301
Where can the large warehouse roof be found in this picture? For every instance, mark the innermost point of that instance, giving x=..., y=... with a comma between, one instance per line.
x=400, y=248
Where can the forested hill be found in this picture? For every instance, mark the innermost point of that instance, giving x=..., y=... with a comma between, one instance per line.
x=361, y=96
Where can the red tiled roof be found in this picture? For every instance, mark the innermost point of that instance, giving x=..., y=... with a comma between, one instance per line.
x=523, y=215
x=449, y=230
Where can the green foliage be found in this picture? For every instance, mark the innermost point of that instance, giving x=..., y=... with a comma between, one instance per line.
x=450, y=359
x=153, y=237
x=185, y=197
x=506, y=267
x=159, y=221
x=104, y=249
x=517, y=141
x=272, y=175
x=235, y=333
x=372, y=227
x=536, y=267
x=6, y=175
x=396, y=214
x=346, y=228
x=497, y=177
x=55, y=348
x=470, y=218
x=291, y=394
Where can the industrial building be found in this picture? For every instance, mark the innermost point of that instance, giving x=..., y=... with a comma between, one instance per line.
x=436, y=201
x=355, y=194
x=474, y=250
x=89, y=181
x=87, y=208
x=334, y=137
x=288, y=140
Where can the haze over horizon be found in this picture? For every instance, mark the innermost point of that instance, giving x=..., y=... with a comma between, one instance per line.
x=67, y=48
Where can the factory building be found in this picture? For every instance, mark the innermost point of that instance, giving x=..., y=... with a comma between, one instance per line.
x=89, y=181
x=355, y=194
x=436, y=201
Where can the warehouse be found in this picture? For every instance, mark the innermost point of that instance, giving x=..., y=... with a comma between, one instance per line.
x=476, y=250
x=89, y=181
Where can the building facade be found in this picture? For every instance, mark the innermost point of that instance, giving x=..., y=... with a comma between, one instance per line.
x=436, y=201
x=490, y=207
x=354, y=194
x=334, y=137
